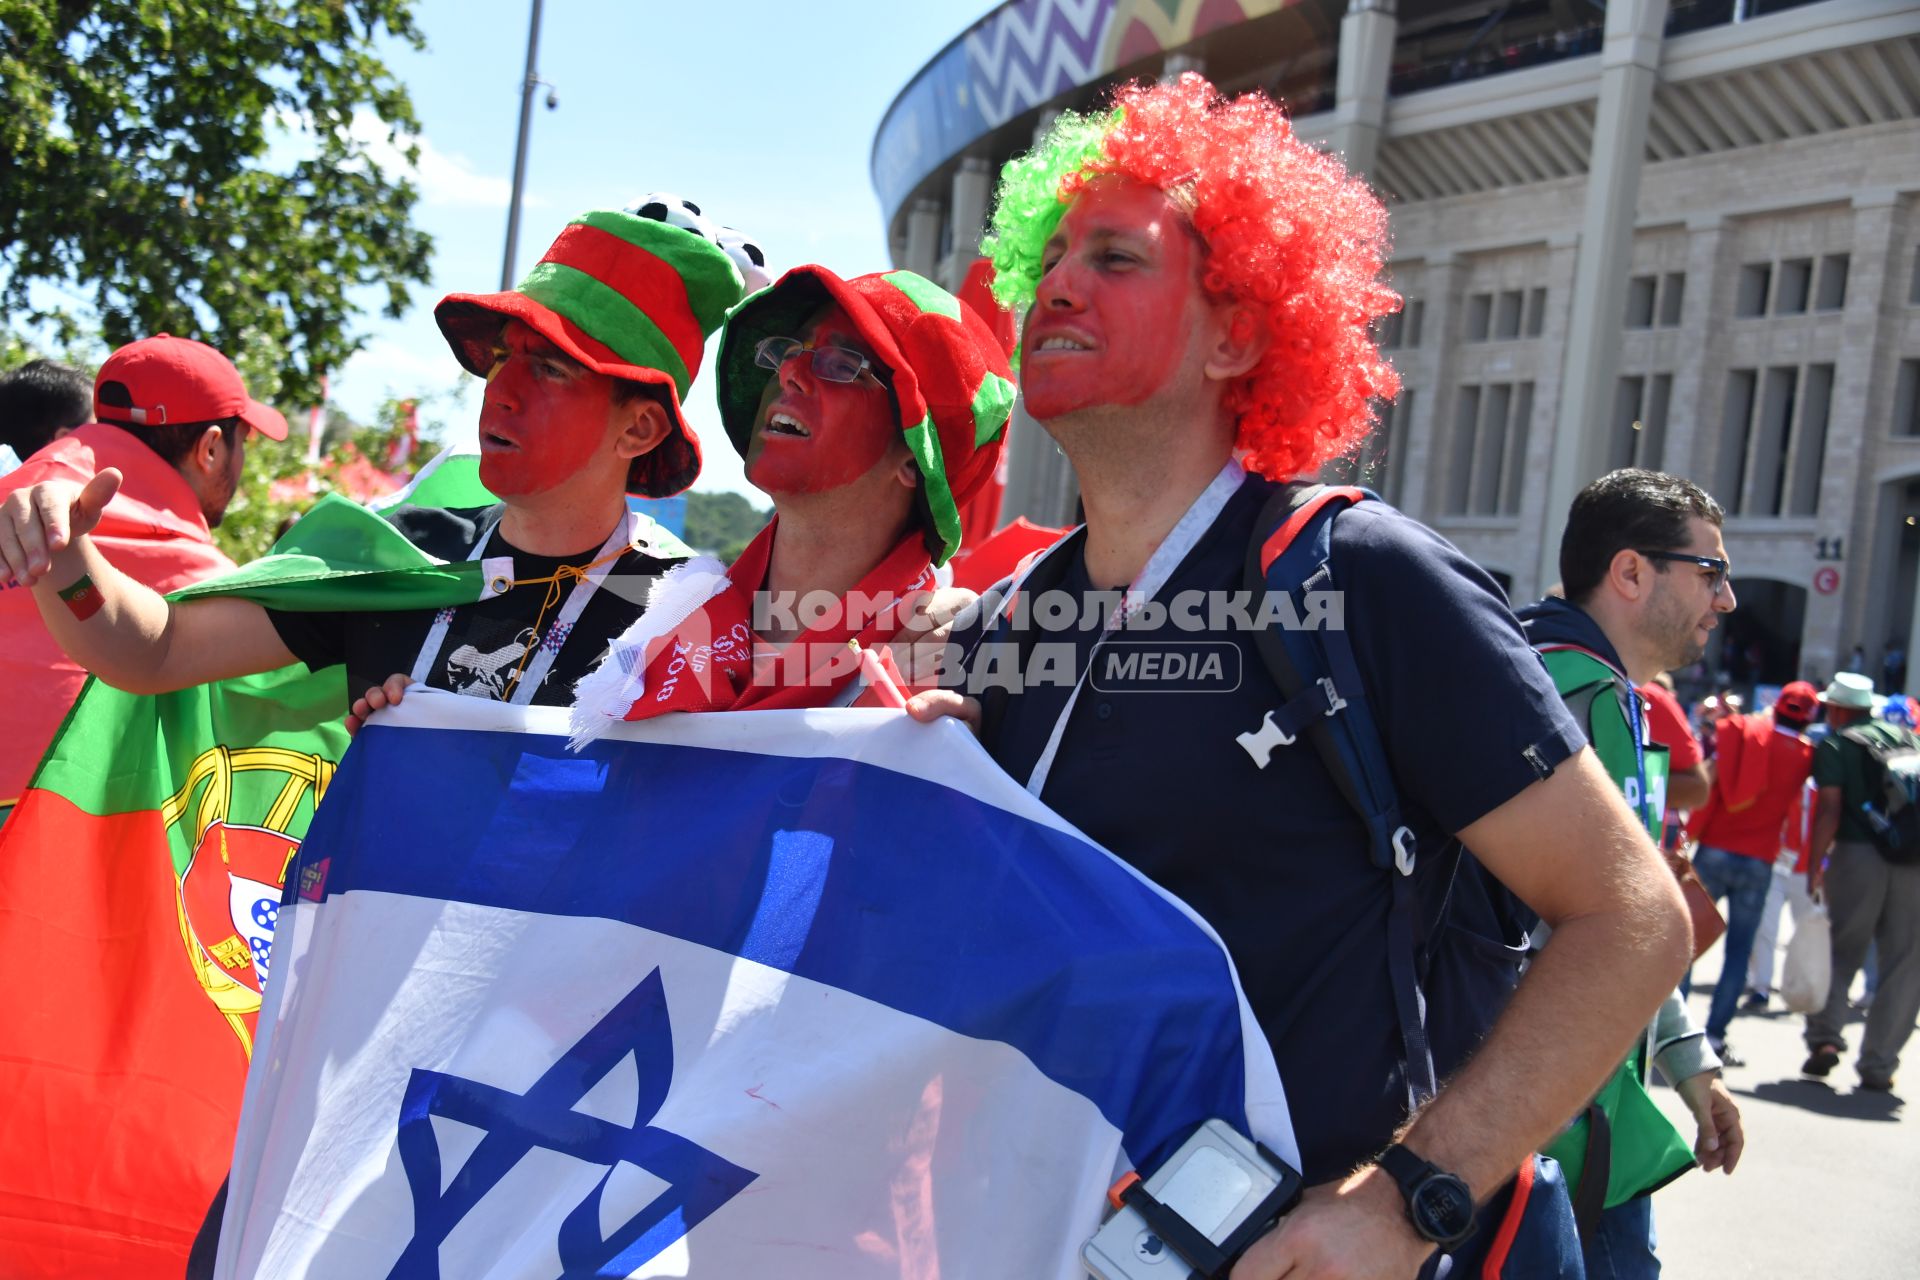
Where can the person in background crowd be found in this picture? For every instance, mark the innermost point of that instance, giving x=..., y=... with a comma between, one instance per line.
x=40, y=401
x=1869, y=899
x=173, y=417
x=1762, y=763
x=1789, y=889
x=1647, y=579
x=1688, y=777
x=1893, y=666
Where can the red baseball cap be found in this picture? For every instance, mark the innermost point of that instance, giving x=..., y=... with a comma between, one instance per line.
x=1799, y=700
x=164, y=381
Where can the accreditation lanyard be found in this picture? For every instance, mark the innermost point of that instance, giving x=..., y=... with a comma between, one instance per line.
x=1159, y=567
x=1637, y=727
x=498, y=571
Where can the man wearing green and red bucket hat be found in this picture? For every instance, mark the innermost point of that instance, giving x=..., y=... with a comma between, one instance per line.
x=870, y=410
x=586, y=363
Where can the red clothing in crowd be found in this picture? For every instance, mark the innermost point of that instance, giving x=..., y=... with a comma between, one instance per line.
x=1761, y=768
x=1667, y=727
x=152, y=531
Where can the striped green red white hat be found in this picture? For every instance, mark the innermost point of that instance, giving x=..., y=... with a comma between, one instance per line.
x=952, y=385
x=628, y=296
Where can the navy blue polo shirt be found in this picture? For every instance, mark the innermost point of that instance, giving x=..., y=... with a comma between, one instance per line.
x=1274, y=859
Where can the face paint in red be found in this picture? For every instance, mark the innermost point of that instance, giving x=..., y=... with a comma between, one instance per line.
x=543, y=417
x=1110, y=320
x=811, y=435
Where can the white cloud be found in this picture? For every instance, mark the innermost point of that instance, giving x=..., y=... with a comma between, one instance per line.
x=443, y=177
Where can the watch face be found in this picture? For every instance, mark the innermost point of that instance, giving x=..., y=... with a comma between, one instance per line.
x=1443, y=1208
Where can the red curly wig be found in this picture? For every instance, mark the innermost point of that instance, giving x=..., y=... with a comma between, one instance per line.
x=1287, y=229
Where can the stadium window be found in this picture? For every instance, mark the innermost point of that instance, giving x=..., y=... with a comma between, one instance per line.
x=1906, y=400
x=1913, y=285
x=1416, y=313
x=1735, y=429
x=1831, y=294
x=1673, y=289
x=1810, y=443
x=1796, y=279
x=1506, y=316
x=1466, y=418
x=1398, y=424
x=1640, y=302
x=1623, y=446
x=1516, y=468
x=1387, y=330
x=1479, y=316
x=1772, y=443
x=1490, y=448
x=1754, y=279
x=1653, y=422
x=1536, y=311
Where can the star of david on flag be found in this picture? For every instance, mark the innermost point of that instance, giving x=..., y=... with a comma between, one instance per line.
x=797, y=994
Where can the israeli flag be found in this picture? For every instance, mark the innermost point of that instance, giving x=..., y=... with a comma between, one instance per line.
x=781, y=994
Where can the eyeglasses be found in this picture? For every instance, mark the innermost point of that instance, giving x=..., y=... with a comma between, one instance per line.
x=1721, y=569
x=830, y=364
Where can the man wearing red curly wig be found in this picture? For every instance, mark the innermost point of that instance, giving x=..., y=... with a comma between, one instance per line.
x=1199, y=288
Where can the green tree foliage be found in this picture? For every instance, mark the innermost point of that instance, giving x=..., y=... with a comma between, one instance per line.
x=134, y=139
x=723, y=523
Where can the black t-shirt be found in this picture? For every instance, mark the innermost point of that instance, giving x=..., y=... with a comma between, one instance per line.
x=485, y=641
x=1275, y=859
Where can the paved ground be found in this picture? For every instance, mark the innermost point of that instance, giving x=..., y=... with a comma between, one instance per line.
x=1830, y=1182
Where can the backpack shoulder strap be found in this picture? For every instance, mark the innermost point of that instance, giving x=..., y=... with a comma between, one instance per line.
x=1310, y=656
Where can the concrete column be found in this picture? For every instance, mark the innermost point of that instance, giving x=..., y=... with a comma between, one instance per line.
x=972, y=190
x=1441, y=283
x=1629, y=69
x=1851, y=505
x=1360, y=86
x=1700, y=370
x=923, y=238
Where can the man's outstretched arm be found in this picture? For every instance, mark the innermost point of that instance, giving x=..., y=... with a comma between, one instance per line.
x=118, y=628
x=1571, y=849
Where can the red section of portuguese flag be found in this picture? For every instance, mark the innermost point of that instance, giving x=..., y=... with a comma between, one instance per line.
x=120, y=1082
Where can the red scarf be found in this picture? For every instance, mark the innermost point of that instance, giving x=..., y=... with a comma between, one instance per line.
x=709, y=663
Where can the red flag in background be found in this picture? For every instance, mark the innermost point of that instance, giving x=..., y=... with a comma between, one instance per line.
x=404, y=445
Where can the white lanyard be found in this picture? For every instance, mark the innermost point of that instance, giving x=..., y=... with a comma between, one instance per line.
x=499, y=580
x=1160, y=566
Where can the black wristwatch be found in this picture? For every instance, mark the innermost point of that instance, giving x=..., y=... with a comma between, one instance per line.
x=1439, y=1204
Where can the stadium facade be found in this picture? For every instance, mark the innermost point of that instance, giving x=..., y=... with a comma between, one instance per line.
x=1673, y=235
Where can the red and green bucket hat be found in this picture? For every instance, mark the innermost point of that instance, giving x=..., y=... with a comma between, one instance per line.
x=952, y=386
x=627, y=296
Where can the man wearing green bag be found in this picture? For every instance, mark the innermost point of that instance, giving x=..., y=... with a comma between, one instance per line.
x=1646, y=576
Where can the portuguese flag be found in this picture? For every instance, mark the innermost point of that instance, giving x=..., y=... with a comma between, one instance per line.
x=140, y=884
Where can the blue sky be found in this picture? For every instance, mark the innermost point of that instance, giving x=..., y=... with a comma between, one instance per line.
x=762, y=113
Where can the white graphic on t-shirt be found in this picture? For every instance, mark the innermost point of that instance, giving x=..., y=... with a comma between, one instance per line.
x=488, y=671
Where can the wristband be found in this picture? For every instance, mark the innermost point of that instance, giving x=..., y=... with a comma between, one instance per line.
x=82, y=597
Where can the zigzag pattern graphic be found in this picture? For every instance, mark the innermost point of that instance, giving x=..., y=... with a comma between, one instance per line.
x=1034, y=50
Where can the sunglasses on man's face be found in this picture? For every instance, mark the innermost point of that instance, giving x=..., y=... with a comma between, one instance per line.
x=1719, y=568
x=830, y=364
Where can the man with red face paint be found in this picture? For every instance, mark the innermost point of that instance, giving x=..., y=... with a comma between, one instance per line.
x=586, y=363
x=1199, y=288
x=870, y=410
